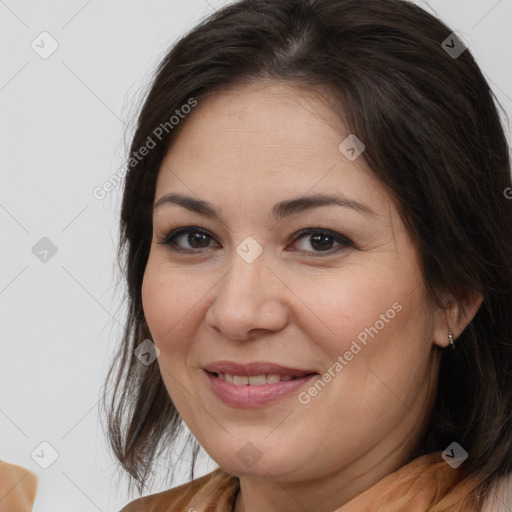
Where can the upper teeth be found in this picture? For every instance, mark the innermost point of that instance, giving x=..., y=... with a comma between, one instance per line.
x=254, y=380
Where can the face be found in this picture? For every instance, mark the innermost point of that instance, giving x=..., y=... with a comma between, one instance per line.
x=330, y=294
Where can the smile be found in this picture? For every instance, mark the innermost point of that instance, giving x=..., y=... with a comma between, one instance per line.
x=254, y=380
x=256, y=390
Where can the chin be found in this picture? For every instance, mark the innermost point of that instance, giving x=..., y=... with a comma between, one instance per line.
x=251, y=461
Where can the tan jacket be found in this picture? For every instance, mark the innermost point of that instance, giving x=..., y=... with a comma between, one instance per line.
x=17, y=488
x=217, y=490
x=427, y=484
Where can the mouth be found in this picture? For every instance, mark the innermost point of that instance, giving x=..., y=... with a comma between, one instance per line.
x=255, y=384
x=254, y=380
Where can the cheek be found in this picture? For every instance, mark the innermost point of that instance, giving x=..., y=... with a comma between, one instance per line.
x=375, y=339
x=378, y=344
x=377, y=321
x=173, y=304
x=355, y=306
x=154, y=295
x=169, y=315
x=163, y=307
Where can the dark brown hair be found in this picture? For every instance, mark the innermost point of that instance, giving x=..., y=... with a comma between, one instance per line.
x=433, y=137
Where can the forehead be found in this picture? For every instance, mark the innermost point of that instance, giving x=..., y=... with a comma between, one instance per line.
x=265, y=140
x=260, y=119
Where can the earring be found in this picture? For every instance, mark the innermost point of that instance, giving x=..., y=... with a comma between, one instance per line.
x=450, y=337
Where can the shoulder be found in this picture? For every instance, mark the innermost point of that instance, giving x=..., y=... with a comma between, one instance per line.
x=216, y=487
x=500, y=498
x=18, y=487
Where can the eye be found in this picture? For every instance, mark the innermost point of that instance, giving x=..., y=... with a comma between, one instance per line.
x=195, y=236
x=318, y=238
x=321, y=240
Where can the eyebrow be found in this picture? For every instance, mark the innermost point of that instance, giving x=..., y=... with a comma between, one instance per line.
x=280, y=210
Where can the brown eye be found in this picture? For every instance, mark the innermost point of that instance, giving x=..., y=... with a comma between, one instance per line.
x=196, y=238
x=321, y=240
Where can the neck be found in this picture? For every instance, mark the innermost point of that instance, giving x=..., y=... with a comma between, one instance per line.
x=324, y=494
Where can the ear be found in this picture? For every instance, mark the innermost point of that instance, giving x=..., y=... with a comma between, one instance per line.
x=452, y=318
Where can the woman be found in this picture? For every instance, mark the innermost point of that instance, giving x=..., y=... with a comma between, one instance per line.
x=317, y=241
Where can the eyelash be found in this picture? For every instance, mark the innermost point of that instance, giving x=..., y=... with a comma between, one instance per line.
x=170, y=238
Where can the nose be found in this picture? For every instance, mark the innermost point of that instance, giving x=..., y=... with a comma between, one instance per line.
x=248, y=301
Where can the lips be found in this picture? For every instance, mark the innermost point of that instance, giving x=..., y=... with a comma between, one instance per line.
x=254, y=380
x=254, y=384
x=255, y=368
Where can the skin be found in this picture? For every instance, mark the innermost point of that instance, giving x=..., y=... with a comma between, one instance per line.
x=243, y=150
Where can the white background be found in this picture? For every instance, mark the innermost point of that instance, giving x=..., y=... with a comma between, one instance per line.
x=65, y=124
